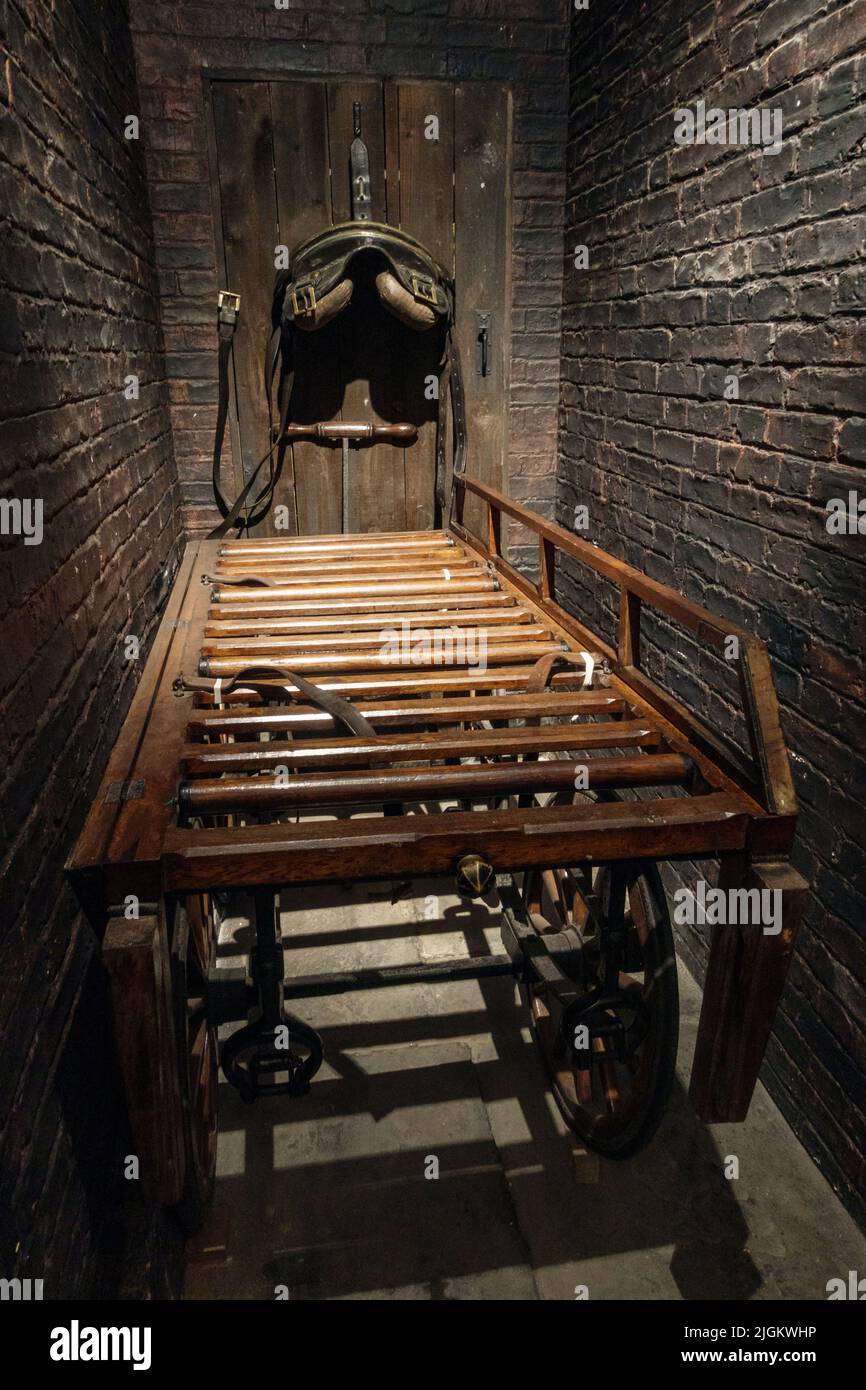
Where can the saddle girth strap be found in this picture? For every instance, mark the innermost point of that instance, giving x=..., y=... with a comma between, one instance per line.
x=450, y=388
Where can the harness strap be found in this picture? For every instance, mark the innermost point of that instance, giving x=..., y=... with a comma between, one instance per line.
x=246, y=580
x=229, y=306
x=539, y=676
x=450, y=387
x=342, y=711
x=229, y=309
x=458, y=404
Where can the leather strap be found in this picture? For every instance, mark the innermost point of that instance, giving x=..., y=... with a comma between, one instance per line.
x=255, y=580
x=539, y=676
x=226, y=323
x=458, y=404
x=341, y=711
x=258, y=509
x=450, y=387
x=359, y=162
x=442, y=431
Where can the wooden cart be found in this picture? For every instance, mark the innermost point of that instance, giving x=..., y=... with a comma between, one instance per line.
x=502, y=744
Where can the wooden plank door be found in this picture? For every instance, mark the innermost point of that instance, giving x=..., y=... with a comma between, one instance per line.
x=440, y=169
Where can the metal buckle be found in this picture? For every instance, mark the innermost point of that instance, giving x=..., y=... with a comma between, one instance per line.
x=304, y=299
x=229, y=306
x=425, y=290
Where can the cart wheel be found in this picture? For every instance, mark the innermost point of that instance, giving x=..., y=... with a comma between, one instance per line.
x=614, y=1106
x=193, y=947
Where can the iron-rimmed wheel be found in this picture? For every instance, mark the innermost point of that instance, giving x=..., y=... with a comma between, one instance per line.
x=193, y=947
x=614, y=1105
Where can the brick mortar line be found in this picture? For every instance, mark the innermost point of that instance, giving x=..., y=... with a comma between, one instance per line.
x=799, y=29
x=54, y=52
x=40, y=242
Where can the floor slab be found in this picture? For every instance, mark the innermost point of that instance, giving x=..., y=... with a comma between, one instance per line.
x=332, y=1196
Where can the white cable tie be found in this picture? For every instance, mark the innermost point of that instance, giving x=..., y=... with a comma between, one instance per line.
x=590, y=667
x=218, y=692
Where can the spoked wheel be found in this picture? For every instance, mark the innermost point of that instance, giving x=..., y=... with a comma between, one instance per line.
x=610, y=1056
x=193, y=947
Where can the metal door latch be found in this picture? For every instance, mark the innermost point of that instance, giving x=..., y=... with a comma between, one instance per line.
x=483, y=361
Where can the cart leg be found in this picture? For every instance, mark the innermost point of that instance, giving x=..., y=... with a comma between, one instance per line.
x=268, y=1045
x=136, y=955
x=744, y=983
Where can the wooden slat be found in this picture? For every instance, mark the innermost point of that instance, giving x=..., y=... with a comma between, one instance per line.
x=362, y=569
x=377, y=786
x=765, y=732
x=413, y=846
x=470, y=743
x=375, y=685
x=373, y=540
x=228, y=631
x=335, y=608
x=242, y=720
x=445, y=657
x=300, y=593
x=273, y=649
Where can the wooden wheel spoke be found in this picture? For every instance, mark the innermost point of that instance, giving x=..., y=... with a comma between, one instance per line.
x=613, y=1104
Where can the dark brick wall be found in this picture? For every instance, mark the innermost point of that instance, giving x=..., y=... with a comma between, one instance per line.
x=79, y=313
x=706, y=261
x=523, y=42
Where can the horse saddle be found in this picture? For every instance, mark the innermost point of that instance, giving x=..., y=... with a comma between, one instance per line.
x=319, y=285
x=319, y=282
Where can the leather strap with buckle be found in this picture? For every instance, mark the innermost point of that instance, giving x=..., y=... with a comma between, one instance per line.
x=426, y=291
x=304, y=299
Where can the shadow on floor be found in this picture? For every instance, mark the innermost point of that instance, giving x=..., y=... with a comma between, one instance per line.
x=333, y=1196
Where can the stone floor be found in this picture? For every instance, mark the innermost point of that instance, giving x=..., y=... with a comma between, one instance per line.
x=329, y=1197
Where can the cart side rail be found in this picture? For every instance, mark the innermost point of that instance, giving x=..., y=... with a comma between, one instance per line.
x=767, y=774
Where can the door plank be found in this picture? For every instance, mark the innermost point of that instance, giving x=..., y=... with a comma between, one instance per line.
x=369, y=347
x=242, y=124
x=426, y=213
x=482, y=202
x=303, y=182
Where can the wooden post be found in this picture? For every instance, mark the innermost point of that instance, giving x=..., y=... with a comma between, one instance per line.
x=744, y=983
x=628, y=646
x=136, y=955
x=546, y=568
x=494, y=529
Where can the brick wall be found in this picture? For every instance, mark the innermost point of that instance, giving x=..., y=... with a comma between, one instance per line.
x=522, y=42
x=79, y=314
x=707, y=262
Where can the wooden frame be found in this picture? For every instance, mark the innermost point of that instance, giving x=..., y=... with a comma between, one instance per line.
x=196, y=765
x=768, y=779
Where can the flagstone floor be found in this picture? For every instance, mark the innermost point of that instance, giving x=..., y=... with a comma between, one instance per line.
x=429, y=1161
